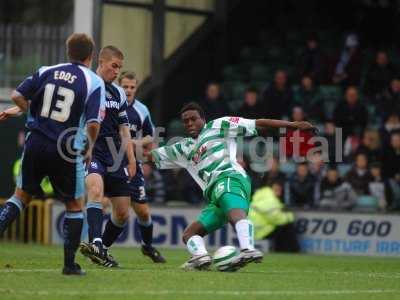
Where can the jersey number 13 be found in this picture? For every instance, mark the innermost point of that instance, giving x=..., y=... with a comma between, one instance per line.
x=64, y=96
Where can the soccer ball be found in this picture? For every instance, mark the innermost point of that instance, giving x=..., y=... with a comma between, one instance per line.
x=224, y=256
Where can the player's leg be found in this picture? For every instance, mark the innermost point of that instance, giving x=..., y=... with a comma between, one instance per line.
x=145, y=224
x=94, y=207
x=142, y=210
x=94, y=214
x=68, y=181
x=13, y=207
x=235, y=204
x=211, y=218
x=72, y=228
x=31, y=173
x=118, y=220
x=193, y=239
x=116, y=187
x=238, y=219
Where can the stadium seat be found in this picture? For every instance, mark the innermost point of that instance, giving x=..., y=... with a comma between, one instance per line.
x=175, y=128
x=260, y=73
x=288, y=167
x=343, y=169
x=233, y=73
x=367, y=203
x=329, y=108
x=331, y=93
x=238, y=91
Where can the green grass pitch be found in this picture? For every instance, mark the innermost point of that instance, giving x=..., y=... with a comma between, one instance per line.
x=34, y=272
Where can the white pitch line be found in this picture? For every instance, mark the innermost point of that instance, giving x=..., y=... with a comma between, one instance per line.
x=199, y=292
x=388, y=275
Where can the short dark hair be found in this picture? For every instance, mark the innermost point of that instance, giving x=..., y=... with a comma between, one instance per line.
x=251, y=89
x=332, y=167
x=193, y=106
x=110, y=51
x=375, y=164
x=395, y=132
x=129, y=75
x=79, y=46
x=302, y=163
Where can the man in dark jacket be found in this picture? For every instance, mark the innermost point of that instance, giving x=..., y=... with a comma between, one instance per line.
x=278, y=97
x=351, y=115
x=214, y=104
x=391, y=167
x=302, y=187
x=379, y=75
x=251, y=108
x=359, y=176
x=311, y=60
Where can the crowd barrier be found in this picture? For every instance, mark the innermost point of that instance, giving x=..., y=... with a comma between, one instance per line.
x=33, y=224
x=329, y=233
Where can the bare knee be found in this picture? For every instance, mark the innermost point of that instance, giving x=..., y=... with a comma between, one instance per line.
x=142, y=211
x=120, y=214
x=120, y=217
x=23, y=196
x=95, y=193
x=74, y=205
x=95, y=187
x=120, y=211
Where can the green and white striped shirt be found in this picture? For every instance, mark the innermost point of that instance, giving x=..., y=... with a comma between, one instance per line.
x=212, y=155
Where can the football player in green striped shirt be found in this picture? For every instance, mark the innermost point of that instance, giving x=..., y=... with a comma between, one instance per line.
x=209, y=155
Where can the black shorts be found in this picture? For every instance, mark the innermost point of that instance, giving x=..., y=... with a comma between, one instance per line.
x=42, y=158
x=116, y=183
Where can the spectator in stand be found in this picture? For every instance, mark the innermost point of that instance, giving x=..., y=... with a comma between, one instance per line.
x=298, y=143
x=391, y=167
x=390, y=101
x=391, y=124
x=214, y=104
x=311, y=60
x=309, y=98
x=370, y=145
x=278, y=97
x=391, y=157
x=359, y=177
x=379, y=187
x=350, y=114
x=379, y=76
x=302, y=187
x=274, y=174
x=317, y=166
x=334, y=193
x=271, y=221
x=172, y=184
x=330, y=136
x=251, y=108
x=154, y=184
x=347, y=70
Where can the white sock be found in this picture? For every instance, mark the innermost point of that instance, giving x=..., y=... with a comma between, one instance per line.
x=245, y=233
x=196, y=246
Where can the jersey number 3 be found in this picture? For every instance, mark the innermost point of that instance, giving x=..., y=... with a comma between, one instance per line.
x=65, y=97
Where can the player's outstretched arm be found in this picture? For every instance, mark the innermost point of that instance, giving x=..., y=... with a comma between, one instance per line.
x=20, y=101
x=14, y=111
x=270, y=123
